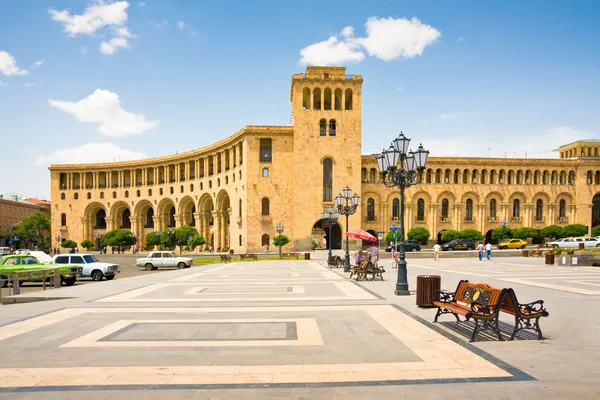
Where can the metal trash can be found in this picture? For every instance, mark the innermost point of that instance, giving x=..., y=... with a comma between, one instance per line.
x=307, y=256
x=525, y=253
x=581, y=246
x=550, y=258
x=427, y=285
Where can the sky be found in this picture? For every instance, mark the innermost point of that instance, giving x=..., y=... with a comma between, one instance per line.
x=92, y=81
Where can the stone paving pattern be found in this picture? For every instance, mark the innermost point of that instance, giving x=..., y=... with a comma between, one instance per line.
x=295, y=329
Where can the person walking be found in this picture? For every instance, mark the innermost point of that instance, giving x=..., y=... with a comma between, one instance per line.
x=374, y=254
x=480, y=248
x=394, y=257
x=436, y=251
x=488, y=250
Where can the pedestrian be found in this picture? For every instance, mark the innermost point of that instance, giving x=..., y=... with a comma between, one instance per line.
x=488, y=250
x=480, y=248
x=373, y=254
x=436, y=251
x=394, y=257
x=266, y=248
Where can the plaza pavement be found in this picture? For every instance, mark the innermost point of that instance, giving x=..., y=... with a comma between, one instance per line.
x=296, y=329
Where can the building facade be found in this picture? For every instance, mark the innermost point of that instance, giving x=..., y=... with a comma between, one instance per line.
x=14, y=208
x=237, y=190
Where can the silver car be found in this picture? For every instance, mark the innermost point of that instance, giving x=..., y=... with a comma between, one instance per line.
x=573, y=243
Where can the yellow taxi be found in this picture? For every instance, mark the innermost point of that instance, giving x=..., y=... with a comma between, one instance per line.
x=512, y=244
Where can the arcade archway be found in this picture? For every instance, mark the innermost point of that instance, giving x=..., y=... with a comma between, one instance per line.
x=321, y=230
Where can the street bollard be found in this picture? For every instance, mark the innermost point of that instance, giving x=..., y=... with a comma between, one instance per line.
x=56, y=283
x=16, y=286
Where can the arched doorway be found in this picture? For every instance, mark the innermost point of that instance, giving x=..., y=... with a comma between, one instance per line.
x=439, y=236
x=321, y=228
x=596, y=210
x=488, y=236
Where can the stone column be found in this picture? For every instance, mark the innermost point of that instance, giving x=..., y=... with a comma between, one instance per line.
x=528, y=215
x=433, y=223
x=456, y=215
x=481, y=217
x=552, y=217
x=574, y=215
x=223, y=228
x=217, y=228
x=505, y=207
x=156, y=220
x=408, y=218
x=86, y=228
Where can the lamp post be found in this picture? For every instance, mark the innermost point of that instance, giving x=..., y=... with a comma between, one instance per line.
x=347, y=205
x=330, y=216
x=504, y=224
x=279, y=230
x=402, y=168
x=58, y=238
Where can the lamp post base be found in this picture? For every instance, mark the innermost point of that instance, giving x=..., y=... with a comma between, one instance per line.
x=401, y=292
x=347, y=263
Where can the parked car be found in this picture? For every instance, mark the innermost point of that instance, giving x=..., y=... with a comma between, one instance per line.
x=459, y=244
x=512, y=244
x=4, y=251
x=409, y=245
x=90, y=265
x=20, y=262
x=158, y=259
x=573, y=243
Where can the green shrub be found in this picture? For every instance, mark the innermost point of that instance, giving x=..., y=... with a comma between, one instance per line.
x=420, y=234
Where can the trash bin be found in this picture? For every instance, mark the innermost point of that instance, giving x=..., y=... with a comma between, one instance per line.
x=581, y=246
x=230, y=251
x=550, y=258
x=525, y=253
x=307, y=256
x=427, y=285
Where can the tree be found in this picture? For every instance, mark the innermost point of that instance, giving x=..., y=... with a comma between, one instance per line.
x=3, y=235
x=87, y=244
x=574, y=230
x=196, y=241
x=280, y=240
x=167, y=239
x=552, y=232
x=526, y=233
x=419, y=234
x=502, y=233
x=596, y=230
x=449, y=235
x=153, y=239
x=33, y=229
x=470, y=234
x=118, y=238
x=68, y=244
x=184, y=235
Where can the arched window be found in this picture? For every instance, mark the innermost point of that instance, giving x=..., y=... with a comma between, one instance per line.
x=265, y=172
x=469, y=210
x=89, y=195
x=63, y=219
x=317, y=98
x=332, y=126
x=114, y=195
x=327, y=100
x=493, y=208
x=327, y=179
x=474, y=176
x=493, y=177
x=527, y=177
x=456, y=176
x=305, y=99
x=554, y=179
x=536, y=178
x=138, y=193
x=149, y=192
x=160, y=191
x=127, y=193
x=76, y=196
x=428, y=176
x=265, y=240
x=511, y=177
x=519, y=177
x=149, y=218
x=171, y=190
x=420, y=210
x=265, y=206
x=516, y=209
x=125, y=219
x=571, y=177
x=466, y=176
x=370, y=209
x=562, y=209
x=438, y=176
x=363, y=175
x=563, y=177
x=445, y=209
x=348, y=100
x=172, y=217
x=447, y=176
x=396, y=209
x=62, y=196
x=240, y=240
x=372, y=174
x=240, y=208
x=484, y=176
x=323, y=127
x=502, y=177
x=337, y=94
x=589, y=178
x=539, y=210
x=101, y=195
x=100, y=220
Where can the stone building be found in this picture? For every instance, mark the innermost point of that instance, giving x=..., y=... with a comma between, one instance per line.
x=237, y=190
x=14, y=208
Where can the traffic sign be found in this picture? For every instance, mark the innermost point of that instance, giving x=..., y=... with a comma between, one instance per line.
x=380, y=233
x=394, y=228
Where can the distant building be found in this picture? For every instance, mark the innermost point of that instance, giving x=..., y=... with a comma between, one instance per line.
x=14, y=208
x=238, y=189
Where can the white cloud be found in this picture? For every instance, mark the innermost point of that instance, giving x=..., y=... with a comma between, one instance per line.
x=36, y=64
x=104, y=107
x=89, y=153
x=348, y=31
x=8, y=65
x=141, y=4
x=389, y=38
x=331, y=52
x=181, y=25
x=102, y=14
x=460, y=39
x=28, y=84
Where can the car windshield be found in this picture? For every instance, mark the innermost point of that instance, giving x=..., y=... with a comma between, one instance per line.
x=89, y=259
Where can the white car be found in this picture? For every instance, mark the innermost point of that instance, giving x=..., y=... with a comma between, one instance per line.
x=90, y=265
x=158, y=259
x=573, y=243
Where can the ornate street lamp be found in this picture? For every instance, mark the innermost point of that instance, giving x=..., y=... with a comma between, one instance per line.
x=399, y=167
x=504, y=224
x=279, y=230
x=347, y=205
x=331, y=217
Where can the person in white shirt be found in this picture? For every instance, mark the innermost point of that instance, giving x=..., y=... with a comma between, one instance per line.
x=488, y=250
x=480, y=248
x=436, y=251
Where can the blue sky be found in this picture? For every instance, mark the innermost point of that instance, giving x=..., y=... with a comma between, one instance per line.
x=131, y=79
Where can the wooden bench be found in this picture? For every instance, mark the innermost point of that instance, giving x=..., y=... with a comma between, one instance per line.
x=225, y=258
x=249, y=256
x=335, y=262
x=289, y=255
x=478, y=301
x=527, y=315
x=364, y=269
